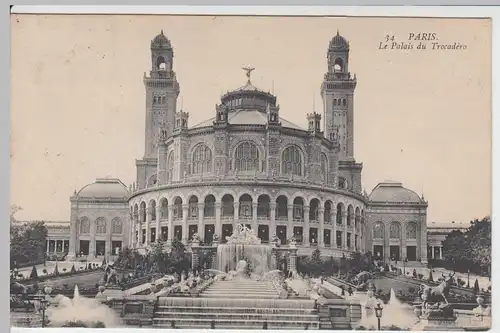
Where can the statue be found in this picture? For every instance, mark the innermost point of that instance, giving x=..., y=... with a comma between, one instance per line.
x=110, y=275
x=215, y=238
x=248, y=71
x=292, y=241
x=243, y=235
x=196, y=237
x=275, y=240
x=435, y=305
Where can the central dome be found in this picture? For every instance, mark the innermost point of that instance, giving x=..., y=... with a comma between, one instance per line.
x=248, y=97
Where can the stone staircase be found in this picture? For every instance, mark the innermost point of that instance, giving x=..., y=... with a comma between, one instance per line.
x=237, y=304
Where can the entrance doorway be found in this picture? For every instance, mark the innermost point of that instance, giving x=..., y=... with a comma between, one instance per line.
x=227, y=230
x=411, y=253
x=191, y=231
x=84, y=247
x=378, y=252
x=394, y=252
x=209, y=233
x=263, y=233
x=281, y=234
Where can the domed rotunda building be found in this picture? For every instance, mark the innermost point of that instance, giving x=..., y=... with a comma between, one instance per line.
x=249, y=165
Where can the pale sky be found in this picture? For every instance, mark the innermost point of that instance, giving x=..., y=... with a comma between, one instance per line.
x=78, y=105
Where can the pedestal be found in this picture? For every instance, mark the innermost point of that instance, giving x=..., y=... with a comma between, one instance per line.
x=215, y=243
x=195, y=260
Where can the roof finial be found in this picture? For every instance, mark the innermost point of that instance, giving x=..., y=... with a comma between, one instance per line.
x=338, y=32
x=248, y=71
x=161, y=32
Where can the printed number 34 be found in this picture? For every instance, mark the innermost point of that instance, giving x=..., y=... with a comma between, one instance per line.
x=389, y=38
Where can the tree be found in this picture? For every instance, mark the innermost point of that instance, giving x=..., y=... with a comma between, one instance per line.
x=73, y=269
x=470, y=249
x=27, y=241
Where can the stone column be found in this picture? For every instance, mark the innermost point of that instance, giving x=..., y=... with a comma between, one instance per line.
x=433, y=255
x=254, y=217
x=305, y=233
x=201, y=215
x=218, y=224
x=272, y=224
x=170, y=231
x=289, y=231
x=423, y=239
x=292, y=265
x=92, y=239
x=344, y=235
x=236, y=214
x=333, y=237
x=321, y=231
x=185, y=211
x=440, y=252
x=148, y=222
x=72, y=240
x=158, y=218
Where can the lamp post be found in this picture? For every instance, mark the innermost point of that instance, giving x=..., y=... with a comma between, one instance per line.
x=378, y=313
x=44, y=300
x=405, y=260
x=468, y=278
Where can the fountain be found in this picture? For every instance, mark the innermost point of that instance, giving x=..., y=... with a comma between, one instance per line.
x=244, y=247
x=400, y=314
x=86, y=311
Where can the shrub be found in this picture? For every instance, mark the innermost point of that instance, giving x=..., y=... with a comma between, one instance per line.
x=73, y=269
x=34, y=273
x=78, y=323
x=99, y=324
x=476, y=286
x=430, y=278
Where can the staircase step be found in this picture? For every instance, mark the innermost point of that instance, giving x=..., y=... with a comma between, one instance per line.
x=245, y=310
x=232, y=322
x=236, y=316
x=232, y=327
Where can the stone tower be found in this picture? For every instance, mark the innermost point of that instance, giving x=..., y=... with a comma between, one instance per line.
x=337, y=91
x=162, y=90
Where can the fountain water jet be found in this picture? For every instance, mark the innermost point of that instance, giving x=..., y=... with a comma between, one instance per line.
x=400, y=314
x=81, y=309
x=244, y=244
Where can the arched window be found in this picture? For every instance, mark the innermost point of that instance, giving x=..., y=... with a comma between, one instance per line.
x=116, y=226
x=100, y=225
x=394, y=231
x=291, y=161
x=378, y=230
x=246, y=157
x=202, y=159
x=411, y=230
x=84, y=226
x=170, y=165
